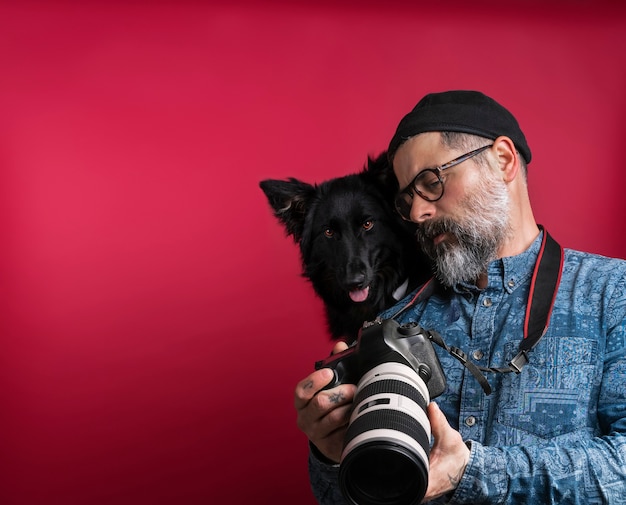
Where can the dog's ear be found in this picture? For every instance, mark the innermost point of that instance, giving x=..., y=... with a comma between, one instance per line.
x=290, y=200
x=380, y=173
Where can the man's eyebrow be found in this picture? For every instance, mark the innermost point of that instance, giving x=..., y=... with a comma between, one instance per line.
x=435, y=167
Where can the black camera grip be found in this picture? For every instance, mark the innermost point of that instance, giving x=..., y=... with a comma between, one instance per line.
x=339, y=363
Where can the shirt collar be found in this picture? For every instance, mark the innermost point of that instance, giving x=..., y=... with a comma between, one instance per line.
x=508, y=272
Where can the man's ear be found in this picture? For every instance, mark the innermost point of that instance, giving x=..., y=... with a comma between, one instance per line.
x=507, y=158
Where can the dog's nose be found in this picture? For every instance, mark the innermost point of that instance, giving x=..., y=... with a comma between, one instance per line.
x=356, y=274
x=356, y=281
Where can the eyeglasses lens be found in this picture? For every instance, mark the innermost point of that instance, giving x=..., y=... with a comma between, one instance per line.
x=427, y=184
x=404, y=202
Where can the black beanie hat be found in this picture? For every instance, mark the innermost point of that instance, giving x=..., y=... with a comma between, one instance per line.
x=460, y=111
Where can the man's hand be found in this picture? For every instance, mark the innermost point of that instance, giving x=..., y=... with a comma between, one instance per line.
x=323, y=415
x=448, y=456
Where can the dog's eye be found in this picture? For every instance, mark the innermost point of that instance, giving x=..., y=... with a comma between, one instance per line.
x=329, y=232
x=368, y=225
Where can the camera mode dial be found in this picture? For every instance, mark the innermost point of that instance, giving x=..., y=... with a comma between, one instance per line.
x=409, y=329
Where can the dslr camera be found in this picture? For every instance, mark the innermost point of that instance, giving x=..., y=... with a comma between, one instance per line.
x=387, y=444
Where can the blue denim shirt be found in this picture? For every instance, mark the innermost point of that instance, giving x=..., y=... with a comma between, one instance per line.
x=556, y=432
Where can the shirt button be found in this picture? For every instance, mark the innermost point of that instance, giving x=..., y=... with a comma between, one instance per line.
x=477, y=354
x=470, y=421
x=487, y=302
x=511, y=283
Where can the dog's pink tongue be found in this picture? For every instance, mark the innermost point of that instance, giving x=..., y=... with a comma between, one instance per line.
x=359, y=295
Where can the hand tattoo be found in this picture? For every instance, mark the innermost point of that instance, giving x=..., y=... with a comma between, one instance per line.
x=336, y=397
x=455, y=479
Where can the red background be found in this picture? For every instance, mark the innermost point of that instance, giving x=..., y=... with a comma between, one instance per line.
x=154, y=323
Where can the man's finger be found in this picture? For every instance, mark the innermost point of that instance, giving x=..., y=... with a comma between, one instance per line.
x=307, y=388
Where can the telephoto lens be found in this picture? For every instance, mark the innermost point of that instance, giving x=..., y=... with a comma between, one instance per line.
x=387, y=444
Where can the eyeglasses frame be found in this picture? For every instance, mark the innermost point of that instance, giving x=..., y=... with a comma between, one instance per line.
x=411, y=189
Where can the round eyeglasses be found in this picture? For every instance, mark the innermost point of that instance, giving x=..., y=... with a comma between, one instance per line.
x=428, y=184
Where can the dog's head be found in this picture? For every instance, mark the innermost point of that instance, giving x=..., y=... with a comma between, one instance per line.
x=354, y=247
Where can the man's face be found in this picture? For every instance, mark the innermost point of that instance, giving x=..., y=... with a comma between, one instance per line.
x=464, y=230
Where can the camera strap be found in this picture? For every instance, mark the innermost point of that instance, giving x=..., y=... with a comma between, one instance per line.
x=543, y=288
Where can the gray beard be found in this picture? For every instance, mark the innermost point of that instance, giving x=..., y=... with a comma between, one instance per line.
x=479, y=235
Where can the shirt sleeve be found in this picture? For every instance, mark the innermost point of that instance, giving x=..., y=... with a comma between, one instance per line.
x=324, y=477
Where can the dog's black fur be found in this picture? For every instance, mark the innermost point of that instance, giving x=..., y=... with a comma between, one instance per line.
x=351, y=241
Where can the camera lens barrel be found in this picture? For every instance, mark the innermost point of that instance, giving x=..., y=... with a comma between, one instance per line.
x=387, y=444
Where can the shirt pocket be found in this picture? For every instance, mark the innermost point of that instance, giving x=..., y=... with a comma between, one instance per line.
x=556, y=391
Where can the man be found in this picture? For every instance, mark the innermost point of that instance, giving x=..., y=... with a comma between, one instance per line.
x=556, y=431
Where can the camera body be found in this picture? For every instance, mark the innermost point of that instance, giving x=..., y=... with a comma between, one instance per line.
x=382, y=341
x=387, y=443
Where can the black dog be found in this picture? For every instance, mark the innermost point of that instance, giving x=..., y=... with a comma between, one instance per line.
x=357, y=252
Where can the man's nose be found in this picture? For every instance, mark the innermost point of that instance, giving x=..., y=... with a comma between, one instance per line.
x=421, y=210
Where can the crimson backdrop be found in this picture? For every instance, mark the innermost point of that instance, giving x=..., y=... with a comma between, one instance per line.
x=154, y=322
